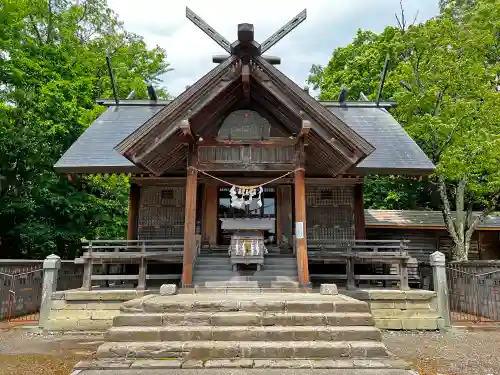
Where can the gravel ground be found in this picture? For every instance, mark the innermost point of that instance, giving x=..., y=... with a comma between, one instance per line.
x=23, y=353
x=457, y=352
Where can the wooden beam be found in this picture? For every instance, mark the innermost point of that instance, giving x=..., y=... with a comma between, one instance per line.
x=133, y=211
x=163, y=103
x=359, y=212
x=306, y=128
x=274, y=141
x=246, y=167
x=245, y=79
x=189, y=228
x=185, y=127
x=181, y=181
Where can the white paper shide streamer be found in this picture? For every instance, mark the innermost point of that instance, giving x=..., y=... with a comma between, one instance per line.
x=242, y=196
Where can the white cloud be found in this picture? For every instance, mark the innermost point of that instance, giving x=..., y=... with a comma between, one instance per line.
x=330, y=23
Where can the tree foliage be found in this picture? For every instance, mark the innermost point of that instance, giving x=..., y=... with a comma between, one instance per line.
x=52, y=68
x=445, y=77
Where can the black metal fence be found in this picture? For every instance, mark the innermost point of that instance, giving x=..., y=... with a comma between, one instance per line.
x=474, y=291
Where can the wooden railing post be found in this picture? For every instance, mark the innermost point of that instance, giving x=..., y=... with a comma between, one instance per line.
x=141, y=283
x=87, y=269
x=351, y=281
x=403, y=268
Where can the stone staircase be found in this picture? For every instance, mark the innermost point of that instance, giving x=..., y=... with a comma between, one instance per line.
x=213, y=270
x=266, y=331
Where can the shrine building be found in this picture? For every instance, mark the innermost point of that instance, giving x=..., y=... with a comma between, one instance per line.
x=245, y=179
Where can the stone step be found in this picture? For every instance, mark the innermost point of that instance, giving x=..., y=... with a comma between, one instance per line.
x=211, y=267
x=226, y=260
x=229, y=273
x=227, y=283
x=244, y=286
x=279, y=302
x=236, y=277
x=243, y=333
x=374, y=366
x=250, y=319
x=284, y=284
x=239, y=291
x=206, y=350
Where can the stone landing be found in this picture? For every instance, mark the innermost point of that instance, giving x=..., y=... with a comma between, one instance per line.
x=244, y=331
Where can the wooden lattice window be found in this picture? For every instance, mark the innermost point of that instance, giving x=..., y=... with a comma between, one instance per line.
x=326, y=194
x=167, y=194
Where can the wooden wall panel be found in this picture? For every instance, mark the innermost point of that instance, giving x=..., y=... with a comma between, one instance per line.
x=489, y=245
x=161, y=212
x=210, y=214
x=359, y=211
x=284, y=214
x=423, y=242
x=330, y=214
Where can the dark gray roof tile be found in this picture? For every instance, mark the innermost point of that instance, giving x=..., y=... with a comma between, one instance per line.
x=94, y=151
x=419, y=219
x=394, y=151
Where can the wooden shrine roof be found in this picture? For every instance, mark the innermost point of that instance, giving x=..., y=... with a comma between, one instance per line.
x=418, y=219
x=159, y=144
x=156, y=139
x=94, y=151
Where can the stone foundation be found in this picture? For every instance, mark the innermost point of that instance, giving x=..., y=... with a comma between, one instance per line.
x=79, y=310
x=401, y=310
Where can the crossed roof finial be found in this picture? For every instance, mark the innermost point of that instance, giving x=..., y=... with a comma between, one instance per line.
x=245, y=46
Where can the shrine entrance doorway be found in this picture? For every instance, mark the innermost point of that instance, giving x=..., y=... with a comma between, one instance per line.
x=253, y=211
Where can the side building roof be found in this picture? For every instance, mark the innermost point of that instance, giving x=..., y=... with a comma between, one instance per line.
x=93, y=152
x=418, y=219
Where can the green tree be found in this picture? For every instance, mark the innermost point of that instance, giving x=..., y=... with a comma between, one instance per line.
x=52, y=68
x=446, y=83
x=451, y=107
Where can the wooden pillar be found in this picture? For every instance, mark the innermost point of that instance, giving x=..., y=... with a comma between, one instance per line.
x=210, y=214
x=133, y=211
x=359, y=211
x=189, y=228
x=300, y=228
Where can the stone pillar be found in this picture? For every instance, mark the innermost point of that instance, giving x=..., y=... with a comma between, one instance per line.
x=438, y=263
x=51, y=266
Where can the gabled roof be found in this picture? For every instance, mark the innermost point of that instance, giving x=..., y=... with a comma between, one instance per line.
x=160, y=140
x=156, y=140
x=419, y=219
x=93, y=151
x=395, y=150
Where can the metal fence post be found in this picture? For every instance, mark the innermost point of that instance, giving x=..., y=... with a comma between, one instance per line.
x=51, y=266
x=438, y=263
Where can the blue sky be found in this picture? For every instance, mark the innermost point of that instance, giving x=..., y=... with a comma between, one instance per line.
x=329, y=24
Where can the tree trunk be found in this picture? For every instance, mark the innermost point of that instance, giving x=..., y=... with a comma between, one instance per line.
x=461, y=251
x=457, y=223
